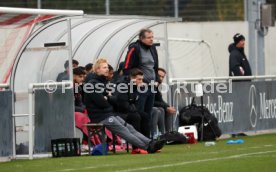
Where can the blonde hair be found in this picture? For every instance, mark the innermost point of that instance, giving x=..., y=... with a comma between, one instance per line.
x=98, y=63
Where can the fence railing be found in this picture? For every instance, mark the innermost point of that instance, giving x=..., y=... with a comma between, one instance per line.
x=49, y=88
x=226, y=78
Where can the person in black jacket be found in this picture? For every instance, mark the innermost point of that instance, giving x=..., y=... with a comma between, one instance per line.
x=162, y=110
x=143, y=55
x=80, y=110
x=119, y=73
x=78, y=78
x=65, y=75
x=100, y=110
x=124, y=101
x=238, y=63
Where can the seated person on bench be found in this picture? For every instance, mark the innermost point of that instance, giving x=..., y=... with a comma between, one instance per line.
x=101, y=111
x=124, y=101
x=81, y=116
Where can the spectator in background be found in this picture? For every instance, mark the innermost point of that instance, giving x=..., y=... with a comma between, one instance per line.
x=165, y=111
x=83, y=69
x=78, y=78
x=119, y=73
x=65, y=75
x=110, y=73
x=142, y=54
x=101, y=111
x=238, y=63
x=81, y=116
x=89, y=68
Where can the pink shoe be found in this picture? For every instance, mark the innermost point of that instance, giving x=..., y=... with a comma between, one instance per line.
x=139, y=151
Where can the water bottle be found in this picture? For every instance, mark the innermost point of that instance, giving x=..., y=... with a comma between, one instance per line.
x=123, y=143
x=210, y=143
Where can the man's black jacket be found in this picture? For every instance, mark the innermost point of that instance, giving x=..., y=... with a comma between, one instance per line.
x=124, y=100
x=238, y=59
x=159, y=102
x=133, y=58
x=95, y=99
x=79, y=105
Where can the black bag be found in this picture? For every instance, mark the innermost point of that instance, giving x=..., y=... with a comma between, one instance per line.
x=174, y=137
x=211, y=130
x=192, y=115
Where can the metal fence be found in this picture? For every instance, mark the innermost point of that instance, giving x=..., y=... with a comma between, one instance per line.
x=50, y=116
x=5, y=123
x=189, y=10
x=54, y=117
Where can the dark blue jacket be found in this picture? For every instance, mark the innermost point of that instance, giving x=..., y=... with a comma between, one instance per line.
x=133, y=58
x=238, y=59
x=96, y=103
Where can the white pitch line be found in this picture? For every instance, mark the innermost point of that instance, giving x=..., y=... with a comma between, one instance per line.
x=91, y=167
x=68, y=170
x=196, y=161
x=255, y=147
x=268, y=145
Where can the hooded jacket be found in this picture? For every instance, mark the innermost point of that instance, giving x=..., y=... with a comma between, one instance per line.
x=96, y=101
x=238, y=59
x=159, y=101
x=133, y=58
x=79, y=106
x=125, y=101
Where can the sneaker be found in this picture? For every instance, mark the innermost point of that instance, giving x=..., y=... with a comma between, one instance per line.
x=139, y=151
x=84, y=148
x=158, y=151
x=156, y=145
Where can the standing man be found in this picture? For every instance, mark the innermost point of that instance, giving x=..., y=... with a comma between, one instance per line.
x=238, y=63
x=142, y=54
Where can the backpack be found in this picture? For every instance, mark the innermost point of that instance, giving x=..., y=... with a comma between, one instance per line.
x=192, y=115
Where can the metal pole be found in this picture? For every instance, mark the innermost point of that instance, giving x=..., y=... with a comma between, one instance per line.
x=13, y=131
x=31, y=111
x=255, y=37
x=167, y=59
x=40, y=11
x=107, y=7
x=70, y=56
x=245, y=8
x=176, y=8
x=261, y=43
x=5, y=86
x=175, y=80
x=39, y=4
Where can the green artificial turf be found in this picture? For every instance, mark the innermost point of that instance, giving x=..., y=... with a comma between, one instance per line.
x=258, y=153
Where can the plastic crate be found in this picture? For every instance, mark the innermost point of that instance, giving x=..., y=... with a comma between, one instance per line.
x=65, y=147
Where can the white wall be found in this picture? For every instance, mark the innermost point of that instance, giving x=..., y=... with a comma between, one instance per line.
x=220, y=35
x=270, y=51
